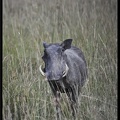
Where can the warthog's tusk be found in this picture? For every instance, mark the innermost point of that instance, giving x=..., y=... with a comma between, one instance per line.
x=66, y=70
x=41, y=71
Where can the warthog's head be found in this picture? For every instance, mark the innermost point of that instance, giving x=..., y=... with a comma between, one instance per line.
x=55, y=60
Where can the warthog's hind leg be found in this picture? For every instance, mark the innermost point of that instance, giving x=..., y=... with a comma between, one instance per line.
x=73, y=97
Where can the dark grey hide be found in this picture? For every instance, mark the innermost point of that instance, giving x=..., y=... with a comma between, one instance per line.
x=55, y=57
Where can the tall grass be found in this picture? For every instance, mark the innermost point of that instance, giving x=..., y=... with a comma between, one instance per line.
x=93, y=27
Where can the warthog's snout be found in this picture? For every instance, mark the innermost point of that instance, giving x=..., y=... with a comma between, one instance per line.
x=51, y=75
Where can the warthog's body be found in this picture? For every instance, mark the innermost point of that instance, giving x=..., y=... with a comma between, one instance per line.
x=59, y=57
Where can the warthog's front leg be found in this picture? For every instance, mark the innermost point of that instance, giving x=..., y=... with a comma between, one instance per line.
x=57, y=105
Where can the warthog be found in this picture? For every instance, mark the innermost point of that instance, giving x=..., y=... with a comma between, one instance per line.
x=65, y=70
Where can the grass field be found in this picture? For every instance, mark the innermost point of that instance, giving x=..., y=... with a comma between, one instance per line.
x=93, y=27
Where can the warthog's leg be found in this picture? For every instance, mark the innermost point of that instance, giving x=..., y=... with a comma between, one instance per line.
x=73, y=97
x=57, y=105
x=56, y=94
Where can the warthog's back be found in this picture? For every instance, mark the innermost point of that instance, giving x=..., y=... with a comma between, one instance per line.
x=77, y=66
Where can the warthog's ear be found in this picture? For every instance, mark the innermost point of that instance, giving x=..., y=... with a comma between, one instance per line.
x=45, y=45
x=66, y=44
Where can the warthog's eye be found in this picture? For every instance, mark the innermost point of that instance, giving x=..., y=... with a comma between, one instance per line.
x=45, y=55
x=45, y=51
x=60, y=50
x=63, y=49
